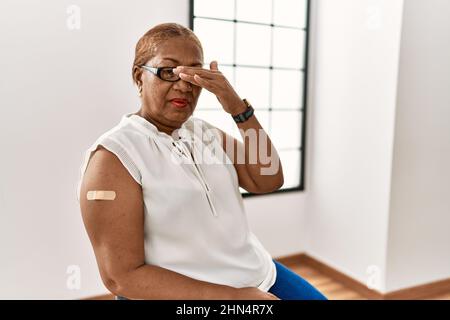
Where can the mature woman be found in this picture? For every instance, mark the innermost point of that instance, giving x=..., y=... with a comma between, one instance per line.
x=165, y=218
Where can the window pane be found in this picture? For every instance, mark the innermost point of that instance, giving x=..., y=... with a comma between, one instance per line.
x=253, y=84
x=290, y=161
x=287, y=89
x=228, y=72
x=290, y=13
x=288, y=48
x=216, y=38
x=245, y=10
x=285, y=130
x=214, y=8
x=207, y=100
x=249, y=51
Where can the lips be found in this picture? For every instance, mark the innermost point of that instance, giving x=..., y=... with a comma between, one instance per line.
x=179, y=102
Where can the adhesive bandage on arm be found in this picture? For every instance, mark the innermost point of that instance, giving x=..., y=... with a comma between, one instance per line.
x=101, y=195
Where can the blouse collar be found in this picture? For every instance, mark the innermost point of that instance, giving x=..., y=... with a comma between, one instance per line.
x=152, y=131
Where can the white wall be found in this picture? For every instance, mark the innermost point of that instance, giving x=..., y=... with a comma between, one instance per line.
x=379, y=138
x=419, y=224
x=60, y=89
x=278, y=221
x=352, y=107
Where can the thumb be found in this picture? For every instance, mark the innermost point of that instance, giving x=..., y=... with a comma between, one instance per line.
x=213, y=65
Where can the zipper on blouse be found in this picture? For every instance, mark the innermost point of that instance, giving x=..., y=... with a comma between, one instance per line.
x=200, y=176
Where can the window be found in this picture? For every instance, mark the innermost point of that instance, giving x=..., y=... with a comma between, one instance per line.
x=261, y=47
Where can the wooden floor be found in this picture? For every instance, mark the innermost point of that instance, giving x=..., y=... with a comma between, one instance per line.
x=334, y=290
x=330, y=288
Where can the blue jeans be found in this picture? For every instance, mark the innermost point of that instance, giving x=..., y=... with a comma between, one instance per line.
x=290, y=286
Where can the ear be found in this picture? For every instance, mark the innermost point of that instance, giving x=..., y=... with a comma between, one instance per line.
x=137, y=75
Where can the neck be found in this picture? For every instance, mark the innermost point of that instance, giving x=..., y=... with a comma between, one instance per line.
x=161, y=127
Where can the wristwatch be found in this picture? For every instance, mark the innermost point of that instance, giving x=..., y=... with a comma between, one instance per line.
x=244, y=116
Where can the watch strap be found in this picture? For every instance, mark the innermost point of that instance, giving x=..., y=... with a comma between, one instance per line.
x=244, y=116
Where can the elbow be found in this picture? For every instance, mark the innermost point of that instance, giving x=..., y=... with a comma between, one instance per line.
x=280, y=182
x=273, y=183
x=120, y=282
x=114, y=285
x=267, y=188
x=277, y=184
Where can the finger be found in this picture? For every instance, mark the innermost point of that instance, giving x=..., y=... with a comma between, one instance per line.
x=189, y=78
x=193, y=71
x=198, y=81
x=204, y=83
x=207, y=74
x=213, y=65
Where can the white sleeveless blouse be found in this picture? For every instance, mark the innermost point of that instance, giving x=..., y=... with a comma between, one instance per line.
x=195, y=221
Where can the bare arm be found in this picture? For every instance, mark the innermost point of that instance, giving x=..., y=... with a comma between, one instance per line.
x=250, y=172
x=115, y=229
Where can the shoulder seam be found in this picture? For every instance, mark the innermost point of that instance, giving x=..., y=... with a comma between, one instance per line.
x=121, y=153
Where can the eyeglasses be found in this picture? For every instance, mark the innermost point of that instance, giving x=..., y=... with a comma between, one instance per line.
x=164, y=73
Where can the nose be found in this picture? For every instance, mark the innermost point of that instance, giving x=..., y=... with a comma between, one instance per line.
x=183, y=85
